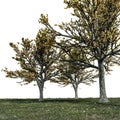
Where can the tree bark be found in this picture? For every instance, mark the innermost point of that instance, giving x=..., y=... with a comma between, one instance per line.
x=76, y=91
x=41, y=87
x=103, y=96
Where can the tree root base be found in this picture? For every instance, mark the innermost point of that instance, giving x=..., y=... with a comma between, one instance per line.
x=103, y=100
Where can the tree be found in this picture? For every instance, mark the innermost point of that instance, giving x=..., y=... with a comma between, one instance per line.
x=37, y=60
x=73, y=74
x=95, y=30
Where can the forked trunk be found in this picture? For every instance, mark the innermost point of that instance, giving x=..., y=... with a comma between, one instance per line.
x=103, y=96
x=41, y=87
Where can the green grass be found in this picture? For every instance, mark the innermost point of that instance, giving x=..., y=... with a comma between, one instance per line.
x=59, y=109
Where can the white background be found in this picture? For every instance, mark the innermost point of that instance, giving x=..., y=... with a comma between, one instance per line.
x=19, y=18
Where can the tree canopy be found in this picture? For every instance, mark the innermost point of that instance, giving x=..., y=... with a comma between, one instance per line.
x=72, y=73
x=91, y=40
x=36, y=58
x=95, y=30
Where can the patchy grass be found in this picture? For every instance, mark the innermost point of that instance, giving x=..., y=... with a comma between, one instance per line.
x=59, y=109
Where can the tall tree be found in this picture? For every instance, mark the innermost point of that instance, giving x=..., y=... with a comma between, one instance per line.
x=37, y=60
x=95, y=30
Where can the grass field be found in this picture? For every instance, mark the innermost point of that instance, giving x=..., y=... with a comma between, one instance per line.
x=59, y=109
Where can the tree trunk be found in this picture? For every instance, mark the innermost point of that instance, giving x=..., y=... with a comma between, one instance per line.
x=103, y=96
x=41, y=87
x=76, y=91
